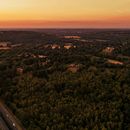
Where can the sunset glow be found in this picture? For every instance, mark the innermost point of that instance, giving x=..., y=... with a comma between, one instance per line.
x=65, y=13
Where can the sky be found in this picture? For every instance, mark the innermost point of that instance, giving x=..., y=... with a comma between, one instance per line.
x=64, y=13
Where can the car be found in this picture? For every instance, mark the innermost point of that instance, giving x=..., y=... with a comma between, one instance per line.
x=14, y=124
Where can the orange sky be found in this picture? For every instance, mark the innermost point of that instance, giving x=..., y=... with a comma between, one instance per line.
x=65, y=14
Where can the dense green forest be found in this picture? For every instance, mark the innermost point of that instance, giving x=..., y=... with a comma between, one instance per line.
x=82, y=88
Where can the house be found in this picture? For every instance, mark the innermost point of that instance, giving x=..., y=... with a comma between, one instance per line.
x=42, y=56
x=115, y=62
x=5, y=45
x=33, y=55
x=46, y=46
x=69, y=45
x=108, y=50
x=72, y=37
x=55, y=46
x=73, y=68
x=19, y=70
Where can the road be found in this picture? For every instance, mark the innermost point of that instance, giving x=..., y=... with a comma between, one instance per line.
x=3, y=126
x=8, y=121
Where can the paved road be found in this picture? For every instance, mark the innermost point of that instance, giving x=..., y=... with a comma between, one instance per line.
x=9, y=119
x=3, y=126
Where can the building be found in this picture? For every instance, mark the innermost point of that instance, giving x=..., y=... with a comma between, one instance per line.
x=69, y=45
x=46, y=46
x=73, y=68
x=108, y=50
x=42, y=56
x=5, y=45
x=115, y=62
x=19, y=70
x=55, y=46
x=72, y=37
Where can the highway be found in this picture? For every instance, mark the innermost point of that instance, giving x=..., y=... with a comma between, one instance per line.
x=8, y=121
x=3, y=126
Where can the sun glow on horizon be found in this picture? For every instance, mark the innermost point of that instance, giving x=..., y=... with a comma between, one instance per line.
x=64, y=13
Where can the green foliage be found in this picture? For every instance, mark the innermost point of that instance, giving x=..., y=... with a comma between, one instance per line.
x=46, y=96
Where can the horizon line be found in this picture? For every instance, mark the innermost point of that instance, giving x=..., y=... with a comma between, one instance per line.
x=41, y=28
